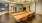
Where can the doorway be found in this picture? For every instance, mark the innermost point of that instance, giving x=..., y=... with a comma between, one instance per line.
x=24, y=8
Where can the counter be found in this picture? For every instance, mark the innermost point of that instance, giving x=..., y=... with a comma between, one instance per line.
x=1, y=13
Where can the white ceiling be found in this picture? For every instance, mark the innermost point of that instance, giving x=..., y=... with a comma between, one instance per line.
x=17, y=1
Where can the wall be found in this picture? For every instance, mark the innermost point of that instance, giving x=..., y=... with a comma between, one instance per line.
x=32, y=7
x=39, y=7
x=11, y=7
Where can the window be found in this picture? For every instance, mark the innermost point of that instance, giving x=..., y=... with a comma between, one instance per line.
x=21, y=8
x=6, y=5
x=1, y=7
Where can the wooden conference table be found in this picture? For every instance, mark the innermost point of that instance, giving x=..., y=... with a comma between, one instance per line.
x=21, y=15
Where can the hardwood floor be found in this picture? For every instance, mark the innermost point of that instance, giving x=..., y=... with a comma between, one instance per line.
x=37, y=19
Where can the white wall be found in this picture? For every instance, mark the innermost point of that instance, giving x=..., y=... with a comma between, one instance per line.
x=32, y=7
x=38, y=7
x=11, y=7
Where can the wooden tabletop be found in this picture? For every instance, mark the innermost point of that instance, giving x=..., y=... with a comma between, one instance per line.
x=21, y=15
